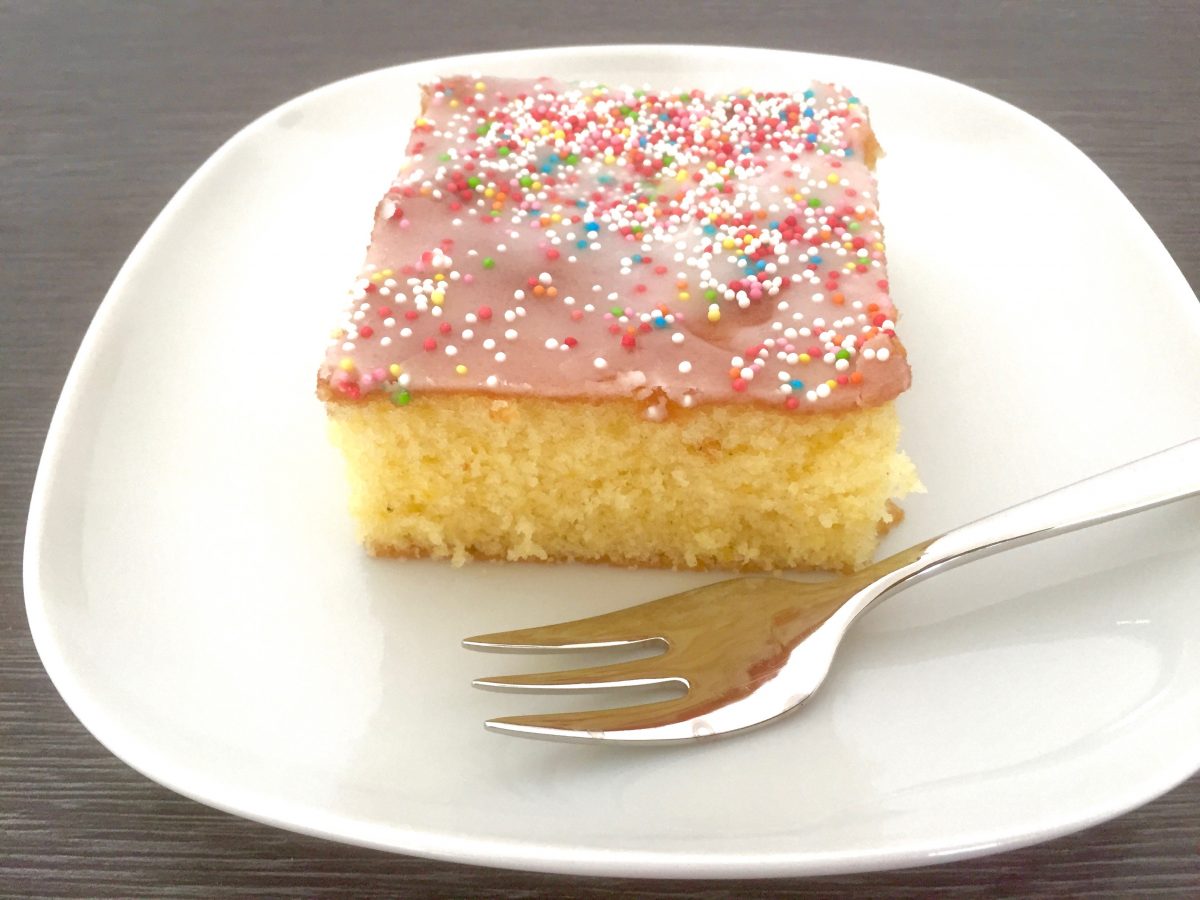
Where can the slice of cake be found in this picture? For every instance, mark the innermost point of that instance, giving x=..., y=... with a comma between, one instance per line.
x=648, y=328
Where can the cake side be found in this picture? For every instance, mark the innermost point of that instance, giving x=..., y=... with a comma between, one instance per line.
x=730, y=486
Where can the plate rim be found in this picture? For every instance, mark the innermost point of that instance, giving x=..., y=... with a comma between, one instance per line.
x=528, y=855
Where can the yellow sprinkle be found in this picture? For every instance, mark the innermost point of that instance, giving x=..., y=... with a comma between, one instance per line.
x=714, y=313
x=684, y=295
x=460, y=369
x=479, y=85
x=439, y=277
x=681, y=175
x=437, y=297
x=346, y=364
x=453, y=103
x=395, y=369
x=609, y=159
x=711, y=166
x=804, y=357
x=489, y=192
x=555, y=217
x=537, y=185
x=878, y=245
x=560, y=135
x=377, y=276
x=387, y=273
x=832, y=178
x=831, y=384
x=729, y=243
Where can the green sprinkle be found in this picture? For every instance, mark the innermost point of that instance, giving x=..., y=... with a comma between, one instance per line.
x=473, y=181
x=489, y=263
x=617, y=311
x=814, y=202
x=503, y=151
x=572, y=159
x=401, y=398
x=525, y=181
x=710, y=294
x=843, y=354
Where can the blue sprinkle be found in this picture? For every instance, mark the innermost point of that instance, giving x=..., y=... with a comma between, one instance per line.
x=796, y=384
x=852, y=100
x=643, y=141
x=849, y=152
x=660, y=322
x=581, y=244
x=637, y=257
x=809, y=94
x=663, y=117
x=809, y=112
x=582, y=204
x=592, y=226
x=815, y=260
x=547, y=169
x=811, y=138
x=710, y=229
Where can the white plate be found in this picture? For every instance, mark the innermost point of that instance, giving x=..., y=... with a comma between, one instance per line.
x=197, y=596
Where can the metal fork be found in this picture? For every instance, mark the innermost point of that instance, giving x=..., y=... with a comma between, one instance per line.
x=750, y=649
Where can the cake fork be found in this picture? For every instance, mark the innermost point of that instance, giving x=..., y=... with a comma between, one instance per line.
x=748, y=650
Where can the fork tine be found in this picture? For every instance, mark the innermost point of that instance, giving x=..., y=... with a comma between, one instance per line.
x=614, y=629
x=665, y=720
x=615, y=675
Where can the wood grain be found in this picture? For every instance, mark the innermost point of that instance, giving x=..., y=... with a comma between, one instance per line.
x=105, y=108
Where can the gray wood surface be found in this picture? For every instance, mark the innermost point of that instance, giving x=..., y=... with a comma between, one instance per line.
x=105, y=108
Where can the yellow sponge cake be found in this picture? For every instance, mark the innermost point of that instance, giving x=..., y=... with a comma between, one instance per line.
x=648, y=328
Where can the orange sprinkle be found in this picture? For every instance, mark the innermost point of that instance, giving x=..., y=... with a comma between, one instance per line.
x=856, y=377
x=838, y=298
x=539, y=290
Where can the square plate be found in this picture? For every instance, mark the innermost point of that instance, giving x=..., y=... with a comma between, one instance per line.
x=197, y=596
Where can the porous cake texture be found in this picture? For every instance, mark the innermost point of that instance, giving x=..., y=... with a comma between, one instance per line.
x=642, y=327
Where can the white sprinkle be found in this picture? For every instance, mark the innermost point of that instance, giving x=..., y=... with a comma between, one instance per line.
x=467, y=334
x=677, y=337
x=489, y=343
x=500, y=357
x=511, y=334
x=492, y=381
x=451, y=350
x=385, y=341
x=685, y=367
x=600, y=362
x=882, y=354
x=551, y=344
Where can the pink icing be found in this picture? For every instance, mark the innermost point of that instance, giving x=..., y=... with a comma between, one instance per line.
x=578, y=242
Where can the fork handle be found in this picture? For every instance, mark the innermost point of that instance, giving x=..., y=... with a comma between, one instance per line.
x=1148, y=482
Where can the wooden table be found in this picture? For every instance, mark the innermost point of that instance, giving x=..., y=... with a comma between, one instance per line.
x=105, y=109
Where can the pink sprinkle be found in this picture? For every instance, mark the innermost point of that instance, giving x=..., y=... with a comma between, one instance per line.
x=430, y=344
x=484, y=312
x=739, y=384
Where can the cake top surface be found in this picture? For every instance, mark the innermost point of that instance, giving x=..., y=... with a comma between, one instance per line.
x=582, y=241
